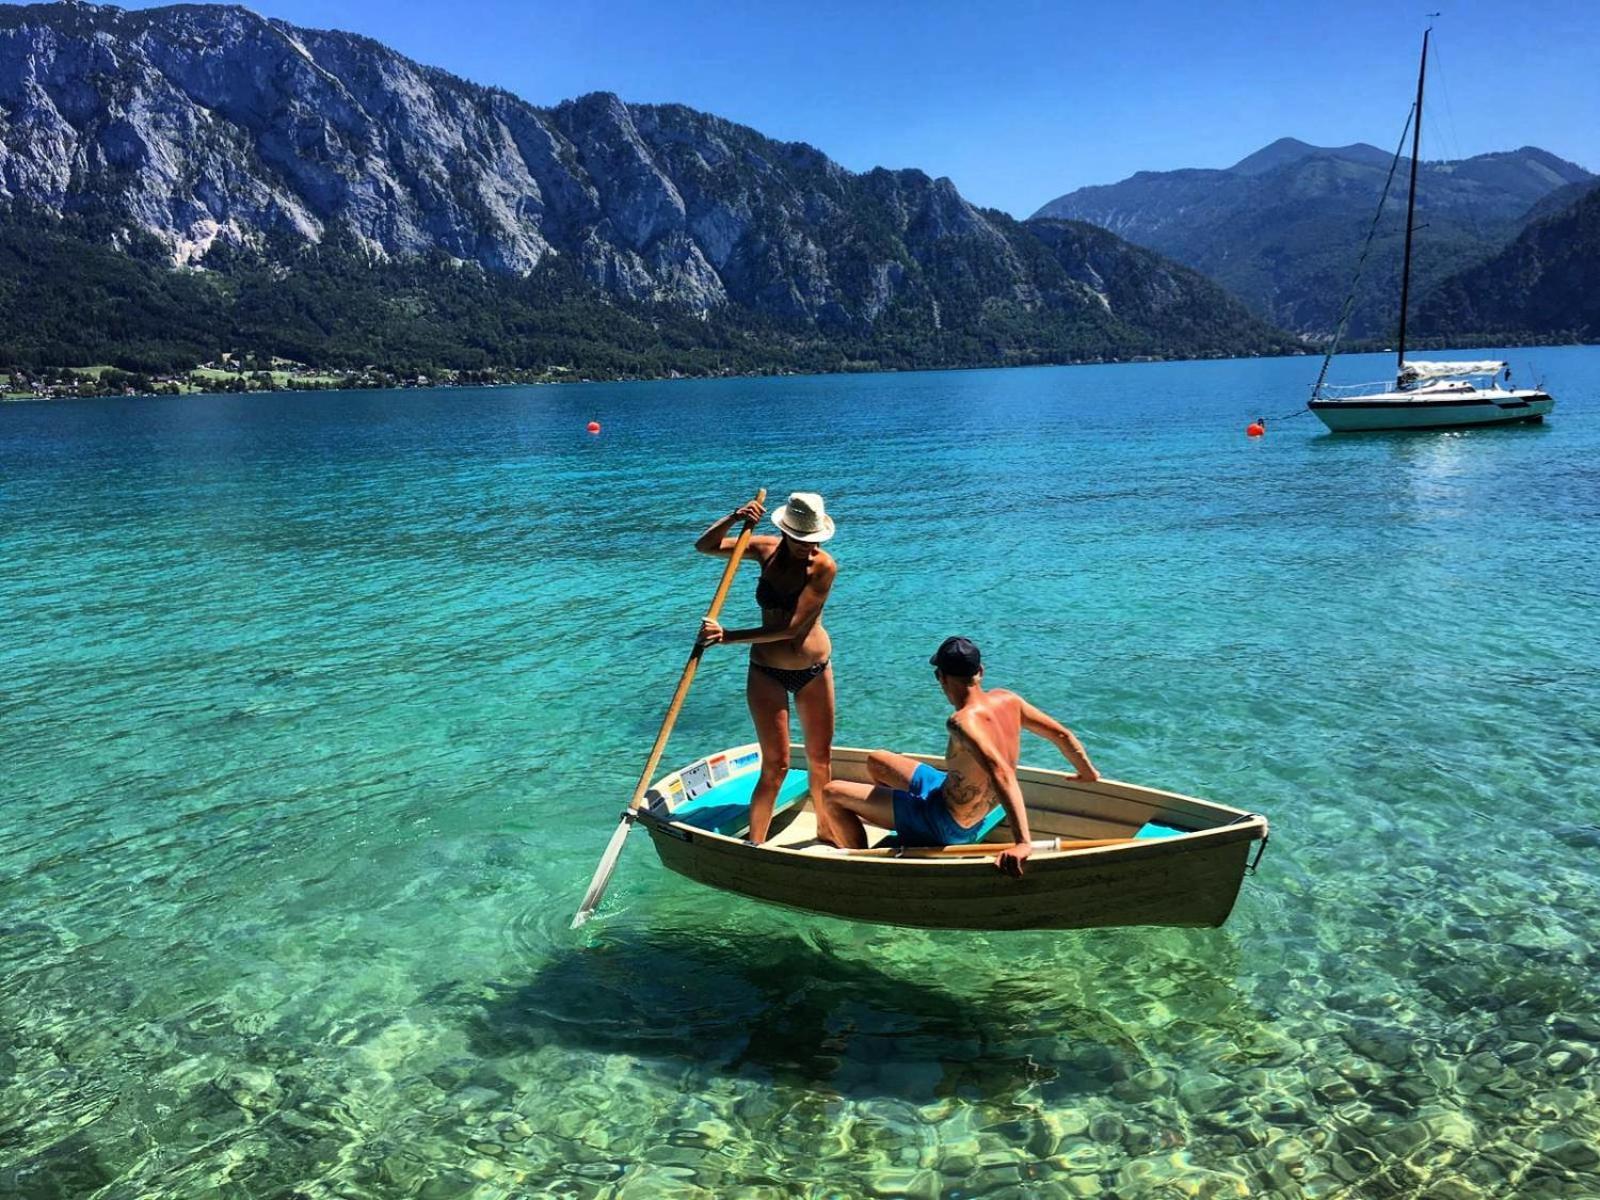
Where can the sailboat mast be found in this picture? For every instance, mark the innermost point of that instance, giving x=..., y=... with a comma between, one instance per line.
x=1411, y=204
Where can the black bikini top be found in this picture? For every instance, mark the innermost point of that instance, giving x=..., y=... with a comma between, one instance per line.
x=769, y=596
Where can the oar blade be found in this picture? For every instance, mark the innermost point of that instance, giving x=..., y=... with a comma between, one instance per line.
x=602, y=873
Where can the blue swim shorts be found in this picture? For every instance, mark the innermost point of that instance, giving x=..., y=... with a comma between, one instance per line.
x=921, y=818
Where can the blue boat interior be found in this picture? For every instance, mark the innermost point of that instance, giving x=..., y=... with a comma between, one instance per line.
x=725, y=808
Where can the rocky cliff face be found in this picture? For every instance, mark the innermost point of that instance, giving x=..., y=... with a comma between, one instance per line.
x=208, y=126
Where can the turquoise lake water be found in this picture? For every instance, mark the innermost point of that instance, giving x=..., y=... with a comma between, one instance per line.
x=317, y=712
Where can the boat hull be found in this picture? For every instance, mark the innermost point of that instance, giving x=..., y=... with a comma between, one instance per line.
x=1197, y=887
x=1406, y=412
x=1188, y=880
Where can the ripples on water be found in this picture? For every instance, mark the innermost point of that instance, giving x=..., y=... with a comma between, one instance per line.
x=318, y=710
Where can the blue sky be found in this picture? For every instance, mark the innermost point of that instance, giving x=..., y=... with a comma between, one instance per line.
x=1020, y=102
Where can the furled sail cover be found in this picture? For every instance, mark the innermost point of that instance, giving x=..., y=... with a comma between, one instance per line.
x=1449, y=370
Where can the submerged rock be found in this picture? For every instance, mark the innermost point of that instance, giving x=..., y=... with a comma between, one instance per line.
x=1206, y=1093
x=1106, y=1128
x=254, y=1089
x=1583, y=1028
x=1143, y=1086
x=913, y=1185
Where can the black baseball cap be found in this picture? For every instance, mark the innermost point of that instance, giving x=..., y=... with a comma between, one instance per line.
x=959, y=657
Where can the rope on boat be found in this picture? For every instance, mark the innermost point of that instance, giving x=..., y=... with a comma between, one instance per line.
x=1298, y=412
x=1250, y=867
x=1361, y=262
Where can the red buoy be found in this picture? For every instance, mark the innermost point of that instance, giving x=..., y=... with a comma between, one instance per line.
x=594, y=427
x=1254, y=429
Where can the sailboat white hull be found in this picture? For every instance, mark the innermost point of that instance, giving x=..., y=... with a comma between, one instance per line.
x=1463, y=409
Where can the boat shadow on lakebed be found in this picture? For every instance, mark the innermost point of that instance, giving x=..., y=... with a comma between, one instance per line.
x=952, y=1019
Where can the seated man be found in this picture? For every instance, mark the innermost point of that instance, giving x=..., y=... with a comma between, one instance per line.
x=956, y=806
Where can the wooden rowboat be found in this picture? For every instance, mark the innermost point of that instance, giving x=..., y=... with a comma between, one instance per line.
x=1157, y=858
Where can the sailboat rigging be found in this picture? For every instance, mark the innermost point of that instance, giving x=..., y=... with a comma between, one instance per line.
x=1425, y=395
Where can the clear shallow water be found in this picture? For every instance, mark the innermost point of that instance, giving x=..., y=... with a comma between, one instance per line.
x=317, y=712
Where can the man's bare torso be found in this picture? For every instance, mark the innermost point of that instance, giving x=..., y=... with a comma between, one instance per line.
x=968, y=792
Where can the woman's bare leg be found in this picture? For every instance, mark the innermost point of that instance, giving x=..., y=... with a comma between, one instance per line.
x=769, y=709
x=814, y=704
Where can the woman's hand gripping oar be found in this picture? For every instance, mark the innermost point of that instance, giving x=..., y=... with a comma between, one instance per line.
x=608, y=861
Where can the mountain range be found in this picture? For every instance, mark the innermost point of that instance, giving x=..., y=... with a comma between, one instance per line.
x=179, y=181
x=1282, y=227
x=1545, y=282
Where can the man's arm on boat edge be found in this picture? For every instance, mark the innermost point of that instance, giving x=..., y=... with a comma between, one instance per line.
x=1036, y=720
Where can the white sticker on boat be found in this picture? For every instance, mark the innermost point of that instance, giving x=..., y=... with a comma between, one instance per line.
x=695, y=780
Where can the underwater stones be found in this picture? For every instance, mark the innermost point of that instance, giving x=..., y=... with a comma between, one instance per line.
x=474, y=1096
x=254, y=1089
x=1377, y=1042
x=1583, y=1028
x=1281, y=1109
x=602, y=1171
x=1565, y=1058
x=1574, y=1154
x=1093, y=1059
x=656, y=1182
x=993, y=1175
x=1441, y=1072
x=1560, y=1102
x=1404, y=1139
x=1361, y=1071
x=1264, y=1044
x=1144, y=1085
x=1453, y=1187
x=958, y=1166
x=1139, y=1140
x=1452, y=1129
x=1418, y=1089
x=1204, y=1092
x=1145, y=1176
x=1043, y=1137
x=911, y=1185
x=1071, y=1124
x=1238, y=1123
x=448, y=1076
x=404, y=1170
x=1106, y=1128
x=449, y=1185
x=1329, y=1086
x=1081, y=1158
x=1524, y=1031
x=1513, y=1053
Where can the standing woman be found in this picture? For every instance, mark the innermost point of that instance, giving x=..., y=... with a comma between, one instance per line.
x=789, y=650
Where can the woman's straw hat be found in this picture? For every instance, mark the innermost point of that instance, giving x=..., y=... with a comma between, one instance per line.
x=803, y=518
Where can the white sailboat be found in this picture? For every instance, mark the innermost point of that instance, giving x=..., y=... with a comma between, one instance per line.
x=1425, y=395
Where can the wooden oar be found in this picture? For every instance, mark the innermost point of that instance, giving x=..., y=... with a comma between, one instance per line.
x=608, y=861
x=981, y=848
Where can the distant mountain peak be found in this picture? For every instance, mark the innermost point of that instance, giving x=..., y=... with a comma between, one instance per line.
x=1288, y=150
x=1282, y=226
